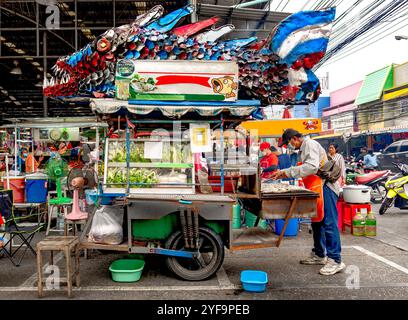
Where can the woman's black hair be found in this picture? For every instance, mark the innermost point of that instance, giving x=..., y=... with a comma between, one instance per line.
x=370, y=152
x=335, y=146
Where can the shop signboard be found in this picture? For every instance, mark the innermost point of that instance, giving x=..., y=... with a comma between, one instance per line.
x=176, y=80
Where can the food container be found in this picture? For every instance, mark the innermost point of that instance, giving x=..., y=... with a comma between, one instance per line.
x=356, y=194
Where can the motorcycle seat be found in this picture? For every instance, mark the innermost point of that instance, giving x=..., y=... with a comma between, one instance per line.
x=366, y=178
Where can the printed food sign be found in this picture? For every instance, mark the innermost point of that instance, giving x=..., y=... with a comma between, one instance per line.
x=177, y=80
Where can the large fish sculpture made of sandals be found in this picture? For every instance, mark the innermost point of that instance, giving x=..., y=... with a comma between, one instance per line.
x=275, y=70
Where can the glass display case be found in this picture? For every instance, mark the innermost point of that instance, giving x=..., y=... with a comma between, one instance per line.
x=153, y=164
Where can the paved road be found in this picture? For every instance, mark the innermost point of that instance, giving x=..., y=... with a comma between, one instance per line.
x=377, y=269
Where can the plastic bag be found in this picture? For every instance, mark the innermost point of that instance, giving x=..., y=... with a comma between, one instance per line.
x=107, y=225
x=203, y=180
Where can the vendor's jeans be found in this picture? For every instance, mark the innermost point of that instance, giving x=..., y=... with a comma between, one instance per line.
x=326, y=234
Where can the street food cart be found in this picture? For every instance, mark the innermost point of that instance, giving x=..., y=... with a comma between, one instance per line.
x=170, y=211
x=179, y=186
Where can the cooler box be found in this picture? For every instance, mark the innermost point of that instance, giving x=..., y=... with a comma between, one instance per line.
x=36, y=188
x=17, y=184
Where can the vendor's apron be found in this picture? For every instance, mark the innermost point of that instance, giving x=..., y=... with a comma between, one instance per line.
x=315, y=183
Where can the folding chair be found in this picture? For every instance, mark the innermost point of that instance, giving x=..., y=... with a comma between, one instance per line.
x=18, y=227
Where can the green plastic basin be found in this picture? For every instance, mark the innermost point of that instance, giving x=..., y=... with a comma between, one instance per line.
x=126, y=270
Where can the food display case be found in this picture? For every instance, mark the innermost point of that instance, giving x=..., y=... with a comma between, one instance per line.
x=154, y=164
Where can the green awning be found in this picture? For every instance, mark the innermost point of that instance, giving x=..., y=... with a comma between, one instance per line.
x=374, y=84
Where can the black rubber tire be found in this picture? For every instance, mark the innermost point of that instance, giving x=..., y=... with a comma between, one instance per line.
x=175, y=264
x=386, y=204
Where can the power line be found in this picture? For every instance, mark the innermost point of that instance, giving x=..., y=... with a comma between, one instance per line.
x=340, y=58
x=367, y=26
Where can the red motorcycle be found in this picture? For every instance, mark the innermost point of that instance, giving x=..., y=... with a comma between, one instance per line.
x=376, y=180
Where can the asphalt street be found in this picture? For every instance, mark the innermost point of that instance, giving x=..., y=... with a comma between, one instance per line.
x=377, y=268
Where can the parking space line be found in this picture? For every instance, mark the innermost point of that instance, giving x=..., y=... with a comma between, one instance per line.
x=223, y=279
x=30, y=282
x=141, y=288
x=382, y=259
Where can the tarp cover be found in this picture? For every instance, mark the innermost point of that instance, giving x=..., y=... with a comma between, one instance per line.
x=175, y=109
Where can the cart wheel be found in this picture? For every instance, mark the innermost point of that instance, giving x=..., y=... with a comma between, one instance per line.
x=211, y=257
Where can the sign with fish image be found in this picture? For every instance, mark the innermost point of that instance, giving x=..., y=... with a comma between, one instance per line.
x=177, y=80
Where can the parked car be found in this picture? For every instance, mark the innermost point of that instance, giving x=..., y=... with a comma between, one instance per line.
x=395, y=152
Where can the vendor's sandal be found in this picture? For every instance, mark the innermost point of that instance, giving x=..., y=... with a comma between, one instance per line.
x=332, y=267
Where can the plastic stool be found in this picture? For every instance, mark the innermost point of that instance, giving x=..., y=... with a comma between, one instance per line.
x=340, y=204
x=349, y=211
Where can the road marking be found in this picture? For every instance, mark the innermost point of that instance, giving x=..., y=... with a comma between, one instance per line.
x=141, y=288
x=382, y=259
x=223, y=279
x=31, y=281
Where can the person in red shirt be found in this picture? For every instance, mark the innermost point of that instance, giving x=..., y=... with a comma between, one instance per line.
x=269, y=159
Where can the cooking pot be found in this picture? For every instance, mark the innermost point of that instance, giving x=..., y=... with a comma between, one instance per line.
x=356, y=194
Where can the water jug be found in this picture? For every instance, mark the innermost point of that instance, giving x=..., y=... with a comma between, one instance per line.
x=371, y=225
x=358, y=225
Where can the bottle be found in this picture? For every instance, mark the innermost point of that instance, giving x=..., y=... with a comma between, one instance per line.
x=60, y=222
x=358, y=225
x=371, y=225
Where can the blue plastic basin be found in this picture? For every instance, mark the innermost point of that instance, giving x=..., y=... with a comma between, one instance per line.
x=92, y=197
x=254, y=280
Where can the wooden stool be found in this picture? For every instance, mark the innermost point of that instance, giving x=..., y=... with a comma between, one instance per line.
x=74, y=224
x=67, y=245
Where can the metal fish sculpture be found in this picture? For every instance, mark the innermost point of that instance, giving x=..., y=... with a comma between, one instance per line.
x=275, y=70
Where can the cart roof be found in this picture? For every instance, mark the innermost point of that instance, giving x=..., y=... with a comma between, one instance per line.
x=72, y=122
x=242, y=108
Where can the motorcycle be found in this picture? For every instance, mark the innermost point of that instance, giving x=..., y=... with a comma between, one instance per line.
x=397, y=186
x=376, y=180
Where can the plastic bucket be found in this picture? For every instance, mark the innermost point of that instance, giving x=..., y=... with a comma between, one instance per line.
x=17, y=184
x=250, y=220
x=291, y=229
x=236, y=216
x=36, y=188
x=126, y=270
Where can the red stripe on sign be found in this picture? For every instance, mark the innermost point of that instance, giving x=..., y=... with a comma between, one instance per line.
x=173, y=79
x=210, y=73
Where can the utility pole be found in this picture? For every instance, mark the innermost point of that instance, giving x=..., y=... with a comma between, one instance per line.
x=45, y=101
x=194, y=14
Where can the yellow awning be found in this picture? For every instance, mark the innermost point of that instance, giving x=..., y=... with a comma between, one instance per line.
x=395, y=93
x=275, y=128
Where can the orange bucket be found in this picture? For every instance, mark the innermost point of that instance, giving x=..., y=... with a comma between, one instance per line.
x=17, y=184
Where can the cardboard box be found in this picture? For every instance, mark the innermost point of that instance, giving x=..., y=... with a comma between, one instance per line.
x=176, y=80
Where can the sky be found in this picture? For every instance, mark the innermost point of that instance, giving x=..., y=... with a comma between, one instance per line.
x=354, y=67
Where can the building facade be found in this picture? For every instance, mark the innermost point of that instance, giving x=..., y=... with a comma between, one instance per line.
x=341, y=115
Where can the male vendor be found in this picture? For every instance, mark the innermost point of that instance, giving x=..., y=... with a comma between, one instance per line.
x=326, y=237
